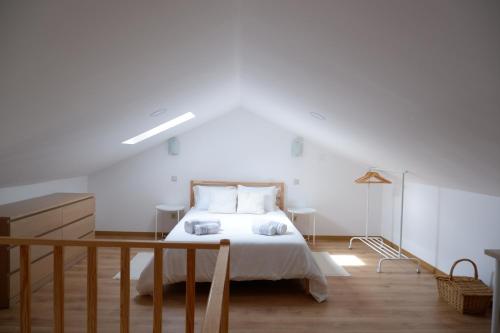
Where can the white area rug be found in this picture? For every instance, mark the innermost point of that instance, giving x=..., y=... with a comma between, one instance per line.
x=325, y=262
x=328, y=266
x=137, y=265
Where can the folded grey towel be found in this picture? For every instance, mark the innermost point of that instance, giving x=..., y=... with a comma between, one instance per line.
x=190, y=225
x=270, y=228
x=206, y=228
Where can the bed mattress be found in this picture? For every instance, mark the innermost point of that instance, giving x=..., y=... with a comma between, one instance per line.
x=253, y=257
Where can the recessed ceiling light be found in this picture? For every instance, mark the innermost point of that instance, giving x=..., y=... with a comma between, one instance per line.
x=318, y=116
x=160, y=128
x=157, y=112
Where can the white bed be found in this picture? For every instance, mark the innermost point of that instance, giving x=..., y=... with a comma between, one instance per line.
x=253, y=257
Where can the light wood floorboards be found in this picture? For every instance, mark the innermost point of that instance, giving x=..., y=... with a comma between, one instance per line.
x=398, y=300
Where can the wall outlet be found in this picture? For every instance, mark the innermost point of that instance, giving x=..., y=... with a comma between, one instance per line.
x=173, y=178
x=296, y=181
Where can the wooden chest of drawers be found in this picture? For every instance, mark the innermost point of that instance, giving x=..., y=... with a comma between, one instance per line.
x=54, y=216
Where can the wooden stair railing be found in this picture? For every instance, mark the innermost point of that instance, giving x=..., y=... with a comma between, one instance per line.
x=216, y=318
x=216, y=314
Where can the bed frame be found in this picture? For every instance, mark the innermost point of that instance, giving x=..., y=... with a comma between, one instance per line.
x=280, y=197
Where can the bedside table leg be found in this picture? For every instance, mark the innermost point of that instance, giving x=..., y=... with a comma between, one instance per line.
x=314, y=229
x=309, y=233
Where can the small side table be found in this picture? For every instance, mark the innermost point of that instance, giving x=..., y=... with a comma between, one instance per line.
x=495, y=320
x=310, y=212
x=168, y=209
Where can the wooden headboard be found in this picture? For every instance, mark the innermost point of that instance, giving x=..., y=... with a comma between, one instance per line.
x=280, y=197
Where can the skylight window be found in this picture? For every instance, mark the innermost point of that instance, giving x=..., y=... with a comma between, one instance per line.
x=160, y=128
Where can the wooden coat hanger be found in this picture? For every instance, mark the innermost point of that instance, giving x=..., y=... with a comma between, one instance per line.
x=372, y=177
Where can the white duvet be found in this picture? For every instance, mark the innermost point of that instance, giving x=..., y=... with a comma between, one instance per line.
x=253, y=257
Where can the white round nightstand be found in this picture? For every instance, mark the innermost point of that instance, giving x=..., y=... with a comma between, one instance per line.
x=168, y=209
x=306, y=211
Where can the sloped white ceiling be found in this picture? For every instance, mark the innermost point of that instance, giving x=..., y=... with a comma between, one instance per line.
x=79, y=77
x=403, y=84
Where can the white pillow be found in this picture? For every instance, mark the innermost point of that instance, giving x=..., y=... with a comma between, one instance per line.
x=202, y=195
x=223, y=201
x=251, y=202
x=269, y=193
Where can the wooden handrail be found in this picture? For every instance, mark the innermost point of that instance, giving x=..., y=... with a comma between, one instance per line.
x=216, y=315
x=143, y=244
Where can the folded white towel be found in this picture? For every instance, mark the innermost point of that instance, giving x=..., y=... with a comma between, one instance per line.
x=263, y=229
x=280, y=228
x=190, y=225
x=269, y=228
x=206, y=228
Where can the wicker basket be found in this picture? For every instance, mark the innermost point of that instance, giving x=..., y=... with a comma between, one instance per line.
x=467, y=295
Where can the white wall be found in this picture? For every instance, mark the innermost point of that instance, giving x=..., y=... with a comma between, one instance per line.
x=16, y=193
x=236, y=146
x=442, y=225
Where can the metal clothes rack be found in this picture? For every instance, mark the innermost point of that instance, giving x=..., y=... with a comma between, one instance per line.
x=377, y=243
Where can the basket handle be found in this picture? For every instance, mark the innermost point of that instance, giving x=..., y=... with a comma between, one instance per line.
x=460, y=260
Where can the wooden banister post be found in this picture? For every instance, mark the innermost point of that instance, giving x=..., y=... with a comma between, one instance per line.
x=190, y=289
x=158, y=290
x=58, y=289
x=25, y=282
x=224, y=325
x=216, y=315
x=91, y=289
x=124, y=290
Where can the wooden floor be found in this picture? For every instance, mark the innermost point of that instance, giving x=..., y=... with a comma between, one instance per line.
x=398, y=300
